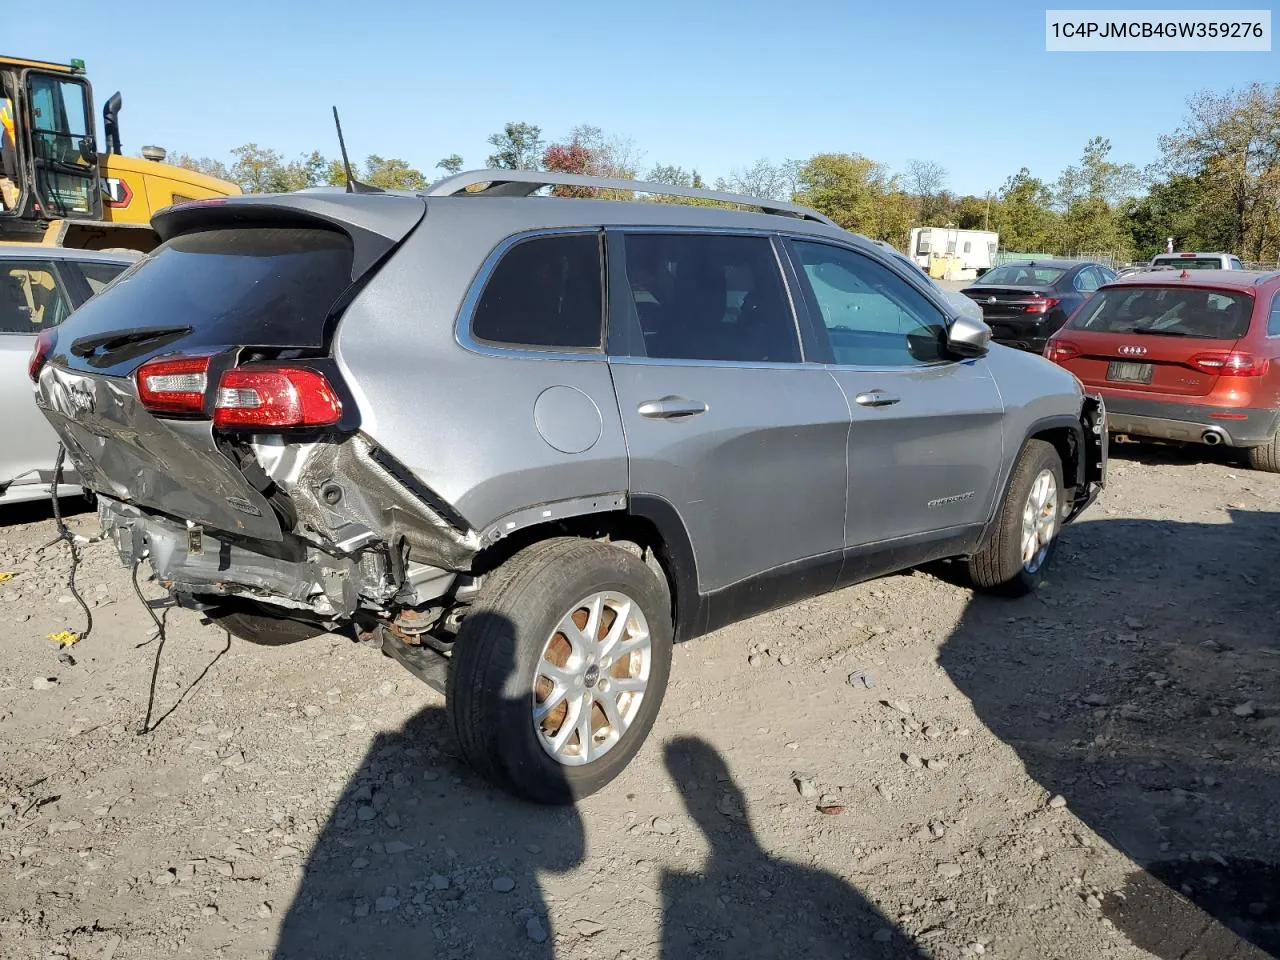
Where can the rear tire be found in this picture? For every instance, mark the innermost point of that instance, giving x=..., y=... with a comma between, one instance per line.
x=1002, y=565
x=1267, y=456
x=506, y=711
x=263, y=629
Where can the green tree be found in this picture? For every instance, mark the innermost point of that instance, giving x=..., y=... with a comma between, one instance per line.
x=451, y=164
x=1230, y=144
x=517, y=147
x=1176, y=208
x=857, y=193
x=205, y=165
x=1022, y=213
x=665, y=173
x=260, y=170
x=968, y=212
x=392, y=174
x=1091, y=198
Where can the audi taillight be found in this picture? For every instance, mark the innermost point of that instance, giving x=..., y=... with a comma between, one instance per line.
x=173, y=385
x=40, y=353
x=1041, y=304
x=1230, y=363
x=273, y=397
x=1059, y=351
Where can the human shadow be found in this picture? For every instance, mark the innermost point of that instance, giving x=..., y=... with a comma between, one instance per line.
x=1140, y=685
x=421, y=859
x=746, y=903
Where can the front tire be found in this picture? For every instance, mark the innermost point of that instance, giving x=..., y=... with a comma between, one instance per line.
x=559, y=669
x=1020, y=549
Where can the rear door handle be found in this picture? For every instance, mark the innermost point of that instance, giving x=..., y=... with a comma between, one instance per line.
x=671, y=408
x=875, y=398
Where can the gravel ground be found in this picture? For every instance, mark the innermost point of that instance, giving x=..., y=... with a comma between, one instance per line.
x=897, y=770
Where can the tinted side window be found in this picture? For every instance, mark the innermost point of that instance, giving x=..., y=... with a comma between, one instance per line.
x=710, y=297
x=544, y=292
x=98, y=275
x=873, y=317
x=1273, y=321
x=31, y=298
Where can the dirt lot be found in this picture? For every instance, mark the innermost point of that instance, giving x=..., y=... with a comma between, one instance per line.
x=1013, y=779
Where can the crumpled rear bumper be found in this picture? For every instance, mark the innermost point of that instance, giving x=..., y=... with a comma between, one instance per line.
x=200, y=567
x=1093, y=455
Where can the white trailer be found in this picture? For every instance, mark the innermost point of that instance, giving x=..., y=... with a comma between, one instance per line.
x=975, y=249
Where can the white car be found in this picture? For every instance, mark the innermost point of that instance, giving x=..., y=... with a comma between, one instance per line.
x=39, y=287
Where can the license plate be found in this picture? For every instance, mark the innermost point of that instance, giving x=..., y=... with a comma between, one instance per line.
x=1129, y=372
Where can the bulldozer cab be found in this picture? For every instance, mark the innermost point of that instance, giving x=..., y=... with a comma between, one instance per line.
x=49, y=154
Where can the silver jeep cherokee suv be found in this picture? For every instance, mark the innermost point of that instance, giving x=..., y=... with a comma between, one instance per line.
x=525, y=443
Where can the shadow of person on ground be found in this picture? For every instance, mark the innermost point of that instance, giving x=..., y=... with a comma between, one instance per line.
x=1141, y=684
x=420, y=858
x=746, y=903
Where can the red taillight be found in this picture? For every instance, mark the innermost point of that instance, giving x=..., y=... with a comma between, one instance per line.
x=252, y=398
x=1041, y=304
x=1230, y=364
x=40, y=353
x=173, y=384
x=1060, y=351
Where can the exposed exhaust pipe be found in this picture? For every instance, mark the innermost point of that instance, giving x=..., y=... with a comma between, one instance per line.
x=1212, y=437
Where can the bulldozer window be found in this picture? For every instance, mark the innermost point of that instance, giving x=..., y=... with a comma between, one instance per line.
x=59, y=118
x=66, y=183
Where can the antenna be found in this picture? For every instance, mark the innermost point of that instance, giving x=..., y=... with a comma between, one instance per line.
x=346, y=163
x=353, y=185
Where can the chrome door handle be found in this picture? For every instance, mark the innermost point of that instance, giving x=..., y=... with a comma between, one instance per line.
x=875, y=398
x=671, y=408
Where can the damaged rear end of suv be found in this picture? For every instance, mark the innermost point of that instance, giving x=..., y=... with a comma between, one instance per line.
x=202, y=401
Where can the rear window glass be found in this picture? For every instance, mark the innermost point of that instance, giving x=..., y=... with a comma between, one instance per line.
x=1022, y=275
x=1182, y=312
x=1190, y=263
x=251, y=286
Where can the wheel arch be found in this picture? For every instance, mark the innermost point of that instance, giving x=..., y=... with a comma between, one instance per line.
x=1065, y=433
x=652, y=523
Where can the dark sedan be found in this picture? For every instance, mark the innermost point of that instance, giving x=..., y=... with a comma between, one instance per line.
x=1026, y=301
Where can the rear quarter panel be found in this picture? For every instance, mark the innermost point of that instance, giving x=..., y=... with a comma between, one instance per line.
x=477, y=429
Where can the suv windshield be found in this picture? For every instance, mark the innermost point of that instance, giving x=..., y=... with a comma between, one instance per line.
x=1180, y=312
x=1022, y=275
x=1190, y=263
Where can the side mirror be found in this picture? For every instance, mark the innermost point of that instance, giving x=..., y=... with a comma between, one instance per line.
x=967, y=337
x=89, y=152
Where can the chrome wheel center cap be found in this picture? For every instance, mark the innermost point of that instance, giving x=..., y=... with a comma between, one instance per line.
x=591, y=676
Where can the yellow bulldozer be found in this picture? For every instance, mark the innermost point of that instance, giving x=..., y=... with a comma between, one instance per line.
x=56, y=188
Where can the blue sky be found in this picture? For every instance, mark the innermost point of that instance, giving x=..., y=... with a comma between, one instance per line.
x=705, y=84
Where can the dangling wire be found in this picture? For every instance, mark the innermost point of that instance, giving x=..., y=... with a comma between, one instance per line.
x=65, y=535
x=160, y=636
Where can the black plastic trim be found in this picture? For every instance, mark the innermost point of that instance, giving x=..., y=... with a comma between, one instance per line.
x=405, y=477
x=689, y=605
x=1057, y=422
x=783, y=585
